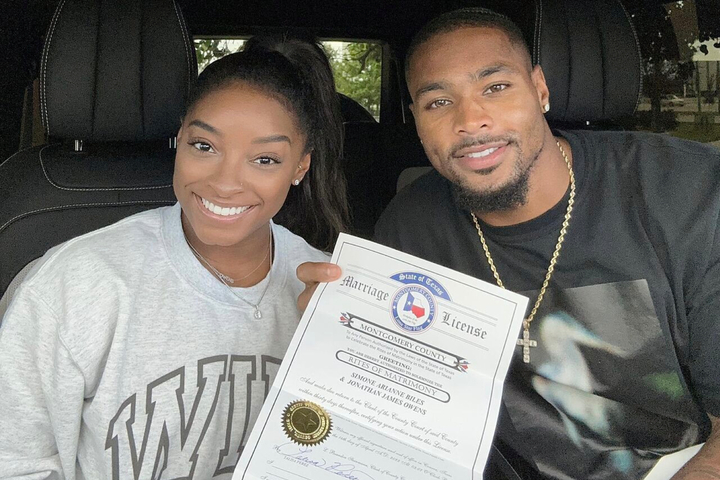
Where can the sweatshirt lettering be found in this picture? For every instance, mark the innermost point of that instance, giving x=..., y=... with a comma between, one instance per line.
x=146, y=437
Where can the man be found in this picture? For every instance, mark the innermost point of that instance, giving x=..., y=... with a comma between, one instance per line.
x=613, y=236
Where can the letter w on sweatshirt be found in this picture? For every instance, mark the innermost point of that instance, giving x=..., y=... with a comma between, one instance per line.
x=178, y=418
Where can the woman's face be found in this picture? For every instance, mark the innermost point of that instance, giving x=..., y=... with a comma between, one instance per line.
x=239, y=151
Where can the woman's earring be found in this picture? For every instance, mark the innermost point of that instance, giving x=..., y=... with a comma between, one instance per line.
x=546, y=108
x=296, y=182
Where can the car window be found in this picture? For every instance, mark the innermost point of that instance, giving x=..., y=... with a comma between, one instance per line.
x=357, y=65
x=681, y=72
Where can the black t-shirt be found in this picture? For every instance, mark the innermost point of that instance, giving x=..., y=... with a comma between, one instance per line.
x=627, y=361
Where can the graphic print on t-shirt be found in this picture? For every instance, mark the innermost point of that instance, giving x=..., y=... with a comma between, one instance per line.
x=604, y=376
x=165, y=431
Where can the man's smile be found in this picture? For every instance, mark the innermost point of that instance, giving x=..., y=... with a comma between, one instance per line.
x=480, y=157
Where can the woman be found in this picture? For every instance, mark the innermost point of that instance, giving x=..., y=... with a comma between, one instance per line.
x=145, y=349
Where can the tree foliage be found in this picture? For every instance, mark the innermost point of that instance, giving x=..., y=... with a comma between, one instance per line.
x=356, y=66
x=357, y=69
x=207, y=50
x=667, y=59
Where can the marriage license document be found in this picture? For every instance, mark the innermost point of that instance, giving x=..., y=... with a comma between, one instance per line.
x=394, y=373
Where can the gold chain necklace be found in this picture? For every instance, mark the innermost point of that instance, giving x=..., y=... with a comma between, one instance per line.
x=225, y=278
x=526, y=342
x=222, y=277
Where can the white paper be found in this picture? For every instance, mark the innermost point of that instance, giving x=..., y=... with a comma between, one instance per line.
x=408, y=360
x=670, y=464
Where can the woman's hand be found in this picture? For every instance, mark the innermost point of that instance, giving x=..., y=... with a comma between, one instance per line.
x=311, y=274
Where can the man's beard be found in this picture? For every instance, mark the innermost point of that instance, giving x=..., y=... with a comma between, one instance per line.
x=511, y=195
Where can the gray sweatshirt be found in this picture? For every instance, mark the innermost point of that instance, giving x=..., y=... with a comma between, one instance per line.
x=122, y=357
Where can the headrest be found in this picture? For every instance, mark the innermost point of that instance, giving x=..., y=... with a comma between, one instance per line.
x=590, y=55
x=352, y=111
x=115, y=71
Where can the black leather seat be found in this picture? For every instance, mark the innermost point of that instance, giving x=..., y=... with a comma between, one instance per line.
x=375, y=155
x=352, y=111
x=591, y=58
x=590, y=55
x=114, y=77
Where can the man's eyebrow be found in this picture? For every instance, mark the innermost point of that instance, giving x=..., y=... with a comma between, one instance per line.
x=476, y=77
x=492, y=70
x=430, y=87
x=272, y=139
x=204, y=126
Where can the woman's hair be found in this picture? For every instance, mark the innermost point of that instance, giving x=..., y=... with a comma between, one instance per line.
x=296, y=73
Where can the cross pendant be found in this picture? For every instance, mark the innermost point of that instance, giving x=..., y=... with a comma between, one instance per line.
x=526, y=343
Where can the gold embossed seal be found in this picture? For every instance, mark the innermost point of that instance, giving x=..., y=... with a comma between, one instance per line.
x=306, y=423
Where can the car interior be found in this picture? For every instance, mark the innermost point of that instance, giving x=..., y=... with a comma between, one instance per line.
x=94, y=91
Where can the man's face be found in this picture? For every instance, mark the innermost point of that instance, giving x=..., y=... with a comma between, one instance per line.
x=478, y=110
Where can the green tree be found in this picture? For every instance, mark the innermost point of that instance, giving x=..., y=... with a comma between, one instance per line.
x=667, y=33
x=207, y=50
x=357, y=68
x=667, y=61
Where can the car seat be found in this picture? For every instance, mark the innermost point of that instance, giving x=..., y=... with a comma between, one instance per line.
x=113, y=80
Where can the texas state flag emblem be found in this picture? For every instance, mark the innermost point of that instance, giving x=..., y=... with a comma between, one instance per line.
x=411, y=306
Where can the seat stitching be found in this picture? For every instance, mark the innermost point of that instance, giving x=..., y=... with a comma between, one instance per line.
x=46, y=55
x=603, y=60
x=17, y=153
x=638, y=51
x=570, y=70
x=105, y=189
x=79, y=205
x=96, y=72
x=538, y=29
x=186, y=41
x=141, y=71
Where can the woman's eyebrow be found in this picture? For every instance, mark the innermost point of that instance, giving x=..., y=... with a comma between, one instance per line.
x=259, y=140
x=273, y=139
x=205, y=126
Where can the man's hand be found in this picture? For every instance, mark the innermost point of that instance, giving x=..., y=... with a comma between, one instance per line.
x=706, y=464
x=312, y=273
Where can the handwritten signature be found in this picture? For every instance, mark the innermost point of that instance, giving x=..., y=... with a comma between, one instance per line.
x=308, y=456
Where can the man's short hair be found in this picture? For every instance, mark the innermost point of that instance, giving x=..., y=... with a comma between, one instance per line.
x=467, y=18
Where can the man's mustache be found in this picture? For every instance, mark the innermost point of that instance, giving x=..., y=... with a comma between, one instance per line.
x=480, y=141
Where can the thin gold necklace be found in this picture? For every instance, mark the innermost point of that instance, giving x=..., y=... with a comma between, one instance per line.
x=526, y=342
x=222, y=276
x=257, y=314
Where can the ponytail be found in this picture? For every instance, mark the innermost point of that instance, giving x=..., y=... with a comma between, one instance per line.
x=298, y=74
